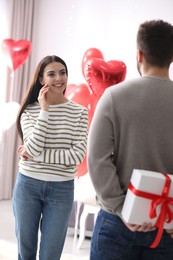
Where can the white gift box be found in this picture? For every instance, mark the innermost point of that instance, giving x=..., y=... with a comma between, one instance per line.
x=136, y=208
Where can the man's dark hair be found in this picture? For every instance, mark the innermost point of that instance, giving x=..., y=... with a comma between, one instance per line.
x=155, y=40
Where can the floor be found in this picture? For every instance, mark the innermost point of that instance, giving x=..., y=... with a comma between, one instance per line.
x=8, y=245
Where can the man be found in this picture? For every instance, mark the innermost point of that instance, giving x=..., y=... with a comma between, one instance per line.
x=132, y=128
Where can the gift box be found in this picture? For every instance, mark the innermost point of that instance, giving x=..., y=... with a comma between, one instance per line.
x=149, y=199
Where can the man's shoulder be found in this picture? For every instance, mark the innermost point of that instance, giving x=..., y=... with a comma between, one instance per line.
x=127, y=84
x=125, y=87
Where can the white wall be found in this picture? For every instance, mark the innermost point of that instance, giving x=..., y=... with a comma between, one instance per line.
x=69, y=27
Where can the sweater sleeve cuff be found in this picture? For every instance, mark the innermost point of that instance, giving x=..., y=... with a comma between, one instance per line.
x=43, y=115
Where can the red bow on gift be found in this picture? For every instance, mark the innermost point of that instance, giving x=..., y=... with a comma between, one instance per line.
x=165, y=215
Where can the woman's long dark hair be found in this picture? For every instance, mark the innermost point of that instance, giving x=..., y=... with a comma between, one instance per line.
x=35, y=86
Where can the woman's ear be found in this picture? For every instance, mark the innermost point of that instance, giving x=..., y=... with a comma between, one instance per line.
x=41, y=81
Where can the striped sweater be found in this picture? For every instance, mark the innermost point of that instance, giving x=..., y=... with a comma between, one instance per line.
x=56, y=140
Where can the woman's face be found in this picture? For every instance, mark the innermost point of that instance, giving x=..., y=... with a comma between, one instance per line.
x=55, y=77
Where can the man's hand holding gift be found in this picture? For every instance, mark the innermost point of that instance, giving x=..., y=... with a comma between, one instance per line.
x=145, y=227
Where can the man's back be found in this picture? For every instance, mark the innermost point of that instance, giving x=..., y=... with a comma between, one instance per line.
x=137, y=124
x=143, y=111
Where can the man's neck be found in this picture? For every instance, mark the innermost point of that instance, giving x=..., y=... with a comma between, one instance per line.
x=156, y=72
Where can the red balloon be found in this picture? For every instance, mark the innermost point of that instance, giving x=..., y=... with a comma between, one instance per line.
x=16, y=52
x=83, y=95
x=100, y=74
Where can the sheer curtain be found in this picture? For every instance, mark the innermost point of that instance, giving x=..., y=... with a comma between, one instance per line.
x=22, y=24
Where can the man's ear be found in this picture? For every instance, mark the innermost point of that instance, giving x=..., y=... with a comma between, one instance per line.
x=139, y=56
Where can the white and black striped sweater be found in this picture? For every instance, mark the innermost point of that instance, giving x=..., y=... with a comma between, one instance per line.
x=56, y=139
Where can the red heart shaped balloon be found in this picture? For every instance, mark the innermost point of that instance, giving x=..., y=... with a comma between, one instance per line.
x=83, y=95
x=16, y=52
x=101, y=74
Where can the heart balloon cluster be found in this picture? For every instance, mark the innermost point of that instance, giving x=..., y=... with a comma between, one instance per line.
x=15, y=52
x=99, y=75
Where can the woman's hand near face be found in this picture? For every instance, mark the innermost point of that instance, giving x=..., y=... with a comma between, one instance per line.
x=42, y=98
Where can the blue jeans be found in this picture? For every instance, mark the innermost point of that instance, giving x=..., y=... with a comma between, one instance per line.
x=112, y=240
x=45, y=205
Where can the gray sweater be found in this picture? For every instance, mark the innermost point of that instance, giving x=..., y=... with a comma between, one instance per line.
x=132, y=128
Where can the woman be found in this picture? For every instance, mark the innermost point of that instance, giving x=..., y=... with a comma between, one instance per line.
x=54, y=134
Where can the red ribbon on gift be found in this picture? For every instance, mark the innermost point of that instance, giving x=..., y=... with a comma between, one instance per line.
x=166, y=215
